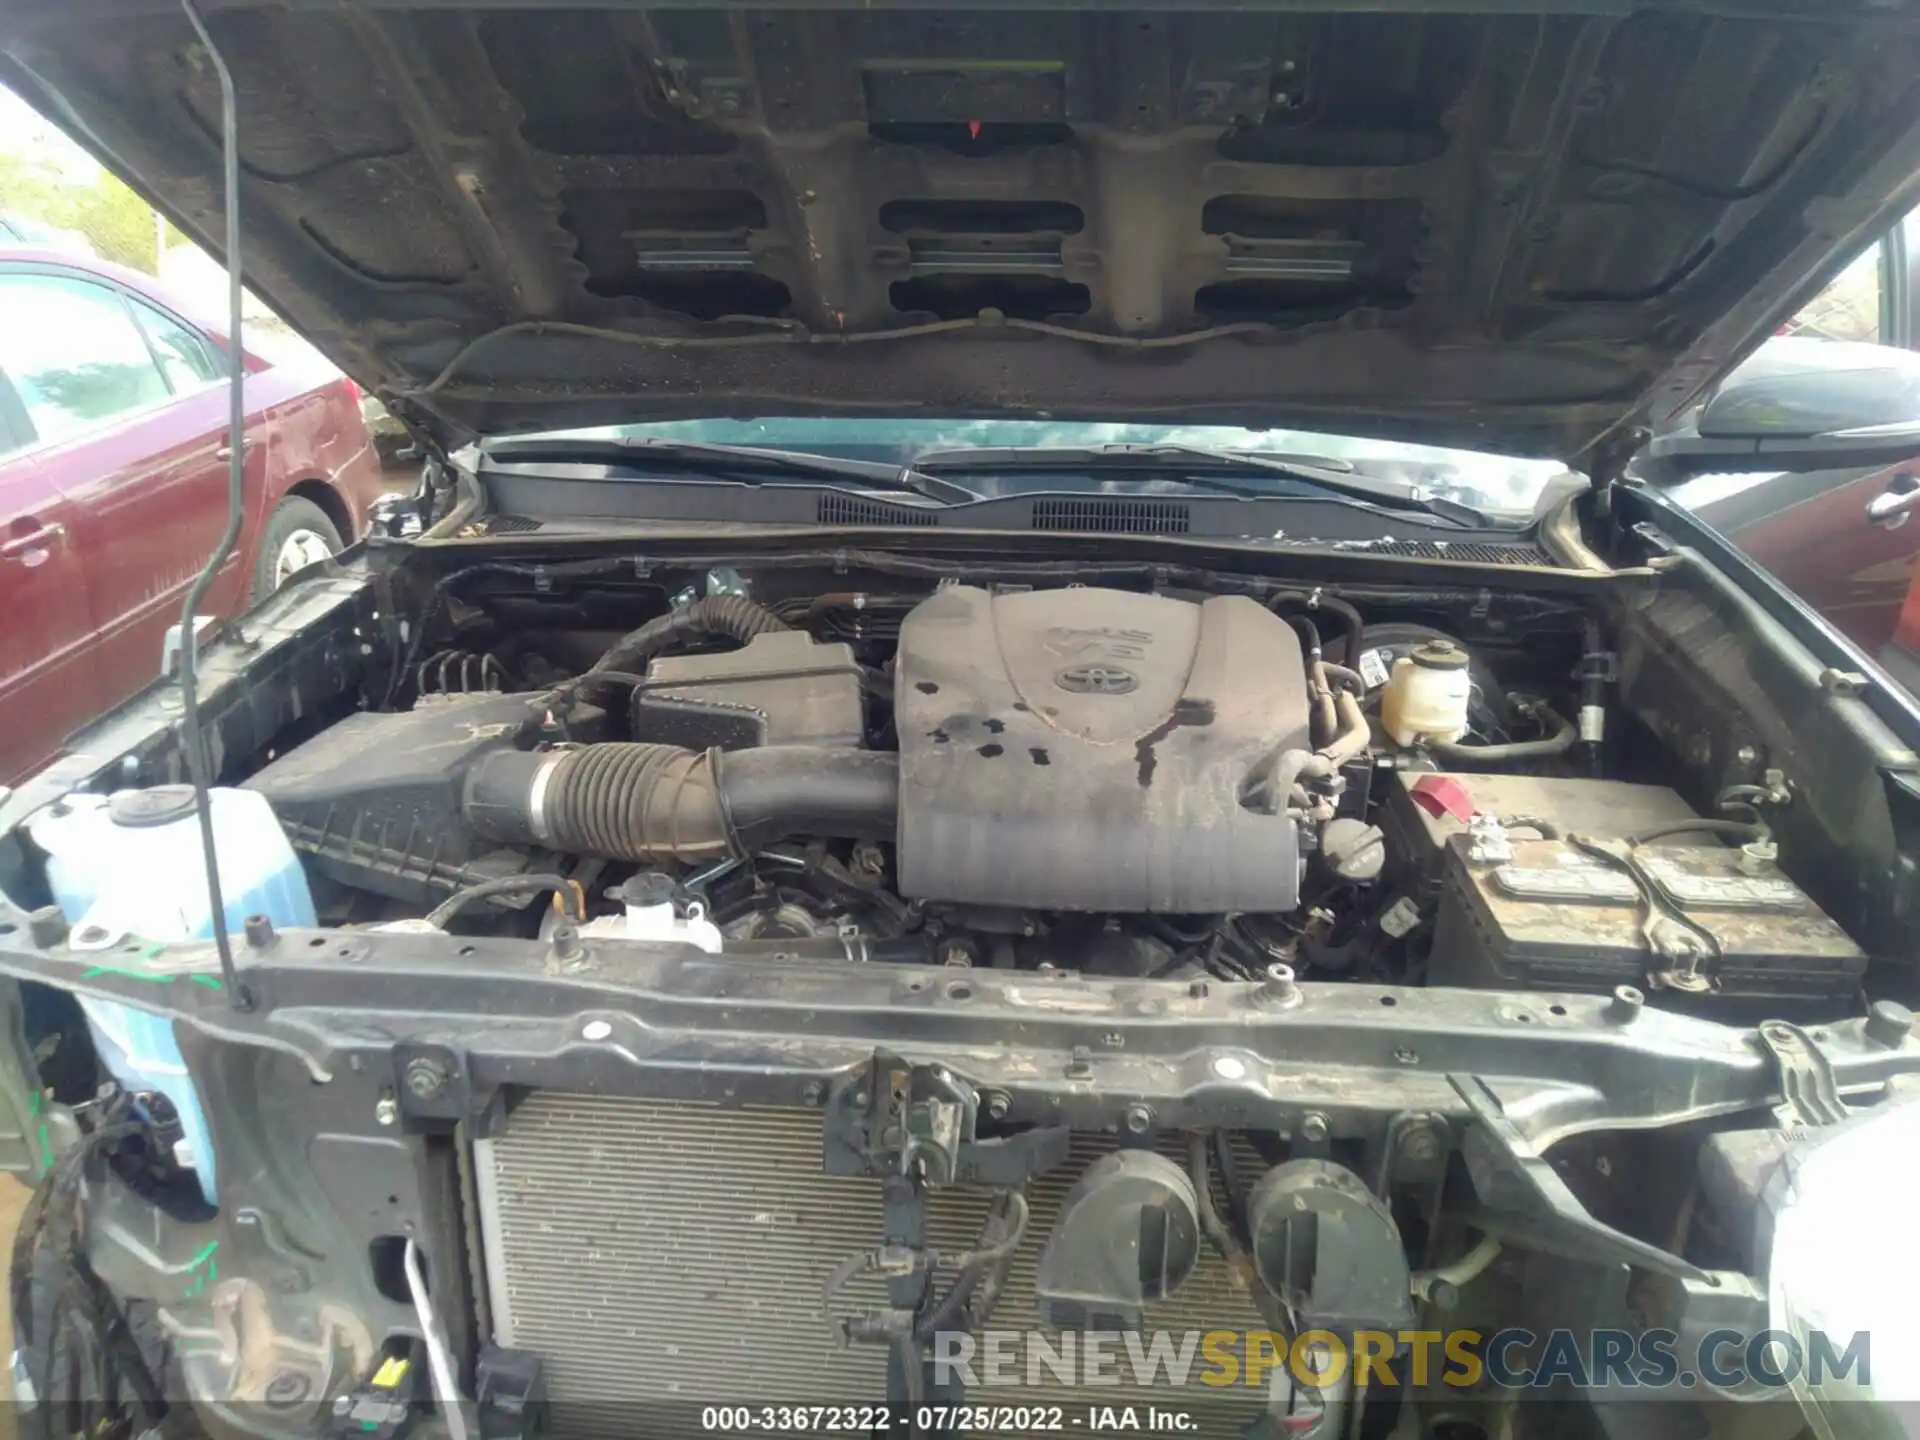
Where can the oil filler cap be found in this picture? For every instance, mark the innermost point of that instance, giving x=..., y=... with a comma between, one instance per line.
x=156, y=805
x=1128, y=1232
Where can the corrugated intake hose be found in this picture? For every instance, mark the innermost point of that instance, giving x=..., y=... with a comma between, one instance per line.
x=730, y=616
x=660, y=802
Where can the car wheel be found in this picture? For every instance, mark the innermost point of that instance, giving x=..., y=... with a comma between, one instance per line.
x=298, y=534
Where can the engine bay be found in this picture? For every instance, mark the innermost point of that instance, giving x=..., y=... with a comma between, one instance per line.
x=775, y=966
x=1149, y=785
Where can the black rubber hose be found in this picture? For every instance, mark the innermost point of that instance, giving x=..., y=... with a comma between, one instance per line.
x=777, y=790
x=1749, y=831
x=1346, y=679
x=507, y=885
x=1558, y=743
x=1546, y=828
x=732, y=617
x=1332, y=605
x=660, y=802
x=1309, y=637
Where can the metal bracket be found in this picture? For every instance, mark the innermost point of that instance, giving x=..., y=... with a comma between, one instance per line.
x=1599, y=665
x=919, y=1121
x=1526, y=1201
x=1809, y=1098
x=1670, y=937
x=901, y=1119
x=435, y=1091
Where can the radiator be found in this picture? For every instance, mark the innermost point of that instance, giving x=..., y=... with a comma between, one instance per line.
x=661, y=1256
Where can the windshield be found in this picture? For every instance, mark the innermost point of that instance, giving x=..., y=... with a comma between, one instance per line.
x=1503, y=485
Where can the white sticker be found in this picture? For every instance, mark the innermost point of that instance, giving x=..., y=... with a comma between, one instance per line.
x=1373, y=668
x=1401, y=917
x=1593, y=723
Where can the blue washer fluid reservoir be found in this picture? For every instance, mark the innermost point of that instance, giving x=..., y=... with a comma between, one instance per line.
x=127, y=868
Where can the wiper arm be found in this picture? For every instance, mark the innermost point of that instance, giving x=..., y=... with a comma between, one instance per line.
x=746, y=464
x=1189, y=464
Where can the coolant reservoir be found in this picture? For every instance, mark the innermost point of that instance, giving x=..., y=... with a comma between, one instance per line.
x=127, y=868
x=653, y=914
x=1426, y=694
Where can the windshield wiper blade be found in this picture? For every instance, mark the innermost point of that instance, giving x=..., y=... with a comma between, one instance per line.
x=1189, y=464
x=746, y=464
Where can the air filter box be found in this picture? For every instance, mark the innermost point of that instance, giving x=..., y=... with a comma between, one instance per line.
x=781, y=688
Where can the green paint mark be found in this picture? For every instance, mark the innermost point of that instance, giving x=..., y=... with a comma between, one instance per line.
x=206, y=1277
x=211, y=982
x=46, y=1148
x=95, y=972
x=369, y=1424
x=34, y=1101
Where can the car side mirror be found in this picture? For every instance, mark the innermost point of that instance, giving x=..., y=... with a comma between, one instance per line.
x=1799, y=404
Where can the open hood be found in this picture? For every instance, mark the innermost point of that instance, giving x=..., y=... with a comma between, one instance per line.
x=1523, y=232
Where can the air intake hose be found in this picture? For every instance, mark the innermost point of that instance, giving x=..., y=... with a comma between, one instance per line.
x=660, y=802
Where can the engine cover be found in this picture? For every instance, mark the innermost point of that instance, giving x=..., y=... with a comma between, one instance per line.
x=1084, y=749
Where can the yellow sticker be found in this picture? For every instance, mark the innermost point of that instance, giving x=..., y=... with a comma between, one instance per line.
x=391, y=1372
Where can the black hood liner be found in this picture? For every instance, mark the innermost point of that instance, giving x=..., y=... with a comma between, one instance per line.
x=1521, y=232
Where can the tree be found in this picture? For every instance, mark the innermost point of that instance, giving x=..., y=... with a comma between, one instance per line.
x=118, y=222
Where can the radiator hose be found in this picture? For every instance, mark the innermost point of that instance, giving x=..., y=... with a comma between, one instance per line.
x=626, y=801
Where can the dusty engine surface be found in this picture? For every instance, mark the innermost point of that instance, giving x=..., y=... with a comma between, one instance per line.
x=1088, y=749
x=1120, y=782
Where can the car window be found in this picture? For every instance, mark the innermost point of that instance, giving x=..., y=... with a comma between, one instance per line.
x=1818, y=533
x=1848, y=309
x=74, y=355
x=15, y=432
x=185, y=355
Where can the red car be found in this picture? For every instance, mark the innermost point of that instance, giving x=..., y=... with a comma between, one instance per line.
x=113, y=463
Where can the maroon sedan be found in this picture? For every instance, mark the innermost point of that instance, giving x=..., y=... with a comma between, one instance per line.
x=113, y=462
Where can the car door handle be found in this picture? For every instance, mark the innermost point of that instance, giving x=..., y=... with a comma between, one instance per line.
x=225, y=452
x=1893, y=505
x=14, y=546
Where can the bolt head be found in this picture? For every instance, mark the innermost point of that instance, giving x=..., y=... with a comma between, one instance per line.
x=1420, y=1146
x=1889, y=1023
x=1139, y=1119
x=386, y=1110
x=425, y=1079
x=998, y=1105
x=1314, y=1127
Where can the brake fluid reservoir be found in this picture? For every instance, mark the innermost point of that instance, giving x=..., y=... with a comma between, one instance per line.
x=128, y=868
x=1426, y=694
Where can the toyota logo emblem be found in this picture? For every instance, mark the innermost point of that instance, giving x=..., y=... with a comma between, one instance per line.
x=1097, y=680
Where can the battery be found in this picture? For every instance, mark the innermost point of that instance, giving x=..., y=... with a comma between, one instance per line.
x=1553, y=917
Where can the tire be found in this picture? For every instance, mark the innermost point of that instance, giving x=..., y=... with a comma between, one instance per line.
x=296, y=525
